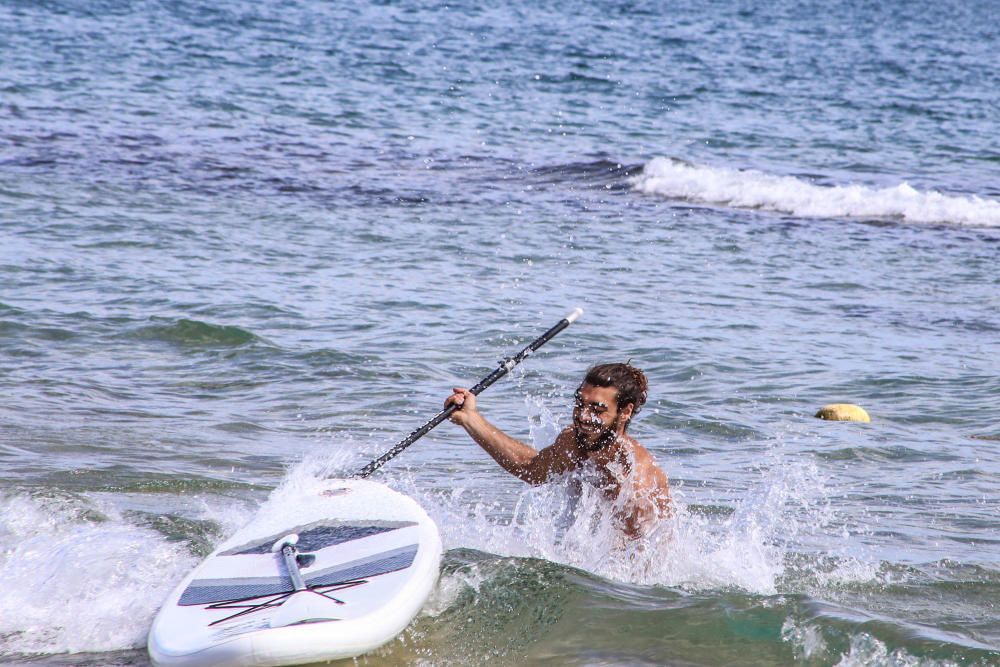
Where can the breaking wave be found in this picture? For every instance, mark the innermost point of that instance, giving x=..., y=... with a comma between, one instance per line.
x=751, y=189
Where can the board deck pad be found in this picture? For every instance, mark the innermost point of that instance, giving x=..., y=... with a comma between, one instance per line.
x=209, y=591
x=368, y=557
x=322, y=534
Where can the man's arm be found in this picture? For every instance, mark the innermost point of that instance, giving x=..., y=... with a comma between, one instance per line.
x=514, y=456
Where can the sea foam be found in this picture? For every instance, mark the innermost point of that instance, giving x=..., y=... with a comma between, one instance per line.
x=747, y=549
x=77, y=577
x=79, y=574
x=781, y=517
x=751, y=189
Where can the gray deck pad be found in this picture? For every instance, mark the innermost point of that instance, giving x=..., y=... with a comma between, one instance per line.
x=211, y=591
x=321, y=534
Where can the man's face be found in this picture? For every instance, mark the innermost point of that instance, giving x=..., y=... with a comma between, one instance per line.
x=596, y=418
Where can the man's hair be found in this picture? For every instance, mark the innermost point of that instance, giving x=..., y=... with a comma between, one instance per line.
x=626, y=378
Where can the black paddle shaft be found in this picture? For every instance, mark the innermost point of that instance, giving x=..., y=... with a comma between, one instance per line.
x=505, y=367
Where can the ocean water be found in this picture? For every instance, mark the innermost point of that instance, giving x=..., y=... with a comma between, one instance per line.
x=243, y=245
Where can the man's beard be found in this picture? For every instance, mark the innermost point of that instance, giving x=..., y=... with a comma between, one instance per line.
x=605, y=436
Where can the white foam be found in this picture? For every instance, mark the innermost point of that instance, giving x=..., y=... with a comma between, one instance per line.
x=867, y=651
x=78, y=577
x=450, y=587
x=809, y=646
x=786, y=513
x=785, y=194
x=806, y=640
x=744, y=550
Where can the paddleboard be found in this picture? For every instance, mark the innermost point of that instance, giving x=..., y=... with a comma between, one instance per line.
x=342, y=578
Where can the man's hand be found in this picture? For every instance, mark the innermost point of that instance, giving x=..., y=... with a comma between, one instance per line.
x=466, y=402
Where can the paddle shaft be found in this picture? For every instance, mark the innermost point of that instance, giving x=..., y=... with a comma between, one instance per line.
x=505, y=367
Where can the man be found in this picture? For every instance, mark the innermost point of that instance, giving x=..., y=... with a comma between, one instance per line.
x=606, y=401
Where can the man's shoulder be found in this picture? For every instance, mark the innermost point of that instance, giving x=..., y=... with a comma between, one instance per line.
x=646, y=463
x=640, y=453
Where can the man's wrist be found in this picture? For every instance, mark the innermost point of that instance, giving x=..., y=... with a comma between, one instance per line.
x=473, y=421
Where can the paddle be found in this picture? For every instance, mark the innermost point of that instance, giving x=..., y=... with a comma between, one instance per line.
x=505, y=367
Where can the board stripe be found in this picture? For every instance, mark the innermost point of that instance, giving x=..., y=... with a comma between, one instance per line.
x=211, y=591
x=321, y=534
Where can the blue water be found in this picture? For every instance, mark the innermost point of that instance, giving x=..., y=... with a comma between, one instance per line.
x=245, y=243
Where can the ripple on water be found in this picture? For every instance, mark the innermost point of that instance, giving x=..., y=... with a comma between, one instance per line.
x=193, y=334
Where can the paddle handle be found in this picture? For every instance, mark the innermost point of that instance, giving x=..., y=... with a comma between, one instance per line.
x=505, y=367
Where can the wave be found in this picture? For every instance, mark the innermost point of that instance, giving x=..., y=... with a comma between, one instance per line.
x=65, y=548
x=601, y=173
x=752, y=189
x=192, y=333
x=503, y=603
x=532, y=587
x=86, y=573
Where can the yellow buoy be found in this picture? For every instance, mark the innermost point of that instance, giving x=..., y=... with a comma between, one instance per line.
x=843, y=412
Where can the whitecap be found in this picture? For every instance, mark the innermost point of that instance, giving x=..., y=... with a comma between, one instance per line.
x=750, y=189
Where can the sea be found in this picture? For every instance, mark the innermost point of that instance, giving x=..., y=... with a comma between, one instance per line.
x=249, y=245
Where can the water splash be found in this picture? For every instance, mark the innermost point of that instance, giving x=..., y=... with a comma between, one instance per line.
x=781, y=534
x=785, y=194
x=811, y=645
x=109, y=576
x=80, y=573
x=748, y=549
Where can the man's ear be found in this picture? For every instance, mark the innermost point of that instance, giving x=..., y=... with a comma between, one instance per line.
x=626, y=412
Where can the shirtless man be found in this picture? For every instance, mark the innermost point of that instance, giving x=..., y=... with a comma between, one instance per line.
x=608, y=398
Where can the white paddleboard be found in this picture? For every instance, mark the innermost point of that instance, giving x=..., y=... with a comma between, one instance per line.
x=367, y=558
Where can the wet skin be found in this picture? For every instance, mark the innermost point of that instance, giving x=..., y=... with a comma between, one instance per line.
x=597, y=438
